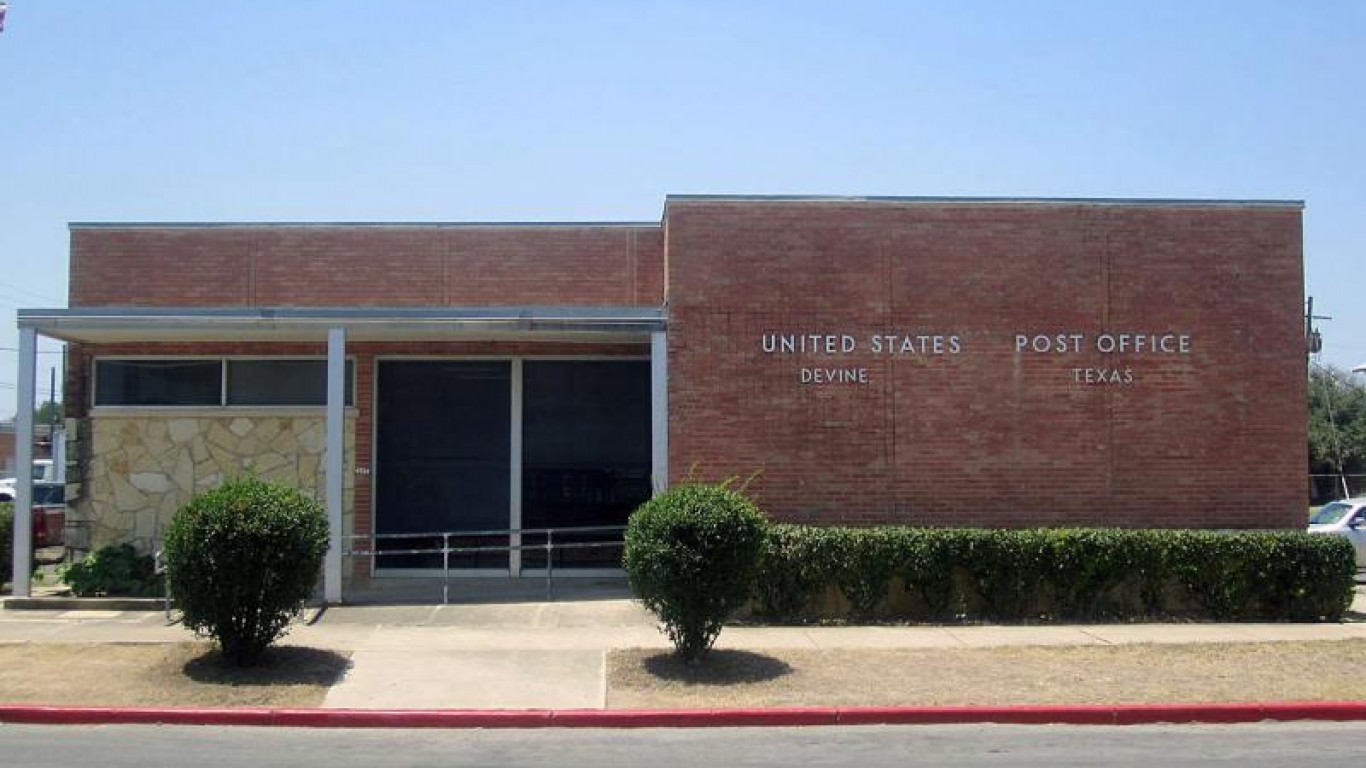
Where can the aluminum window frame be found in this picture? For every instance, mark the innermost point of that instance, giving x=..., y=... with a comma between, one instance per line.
x=515, y=449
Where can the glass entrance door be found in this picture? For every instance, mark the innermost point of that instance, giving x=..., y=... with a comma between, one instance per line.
x=585, y=455
x=443, y=447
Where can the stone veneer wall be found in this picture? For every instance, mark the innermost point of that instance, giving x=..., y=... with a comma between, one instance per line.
x=138, y=469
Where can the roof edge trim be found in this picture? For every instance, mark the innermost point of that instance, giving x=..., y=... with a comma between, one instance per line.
x=364, y=225
x=1042, y=201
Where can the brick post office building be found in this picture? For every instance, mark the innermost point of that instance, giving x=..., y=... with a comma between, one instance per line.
x=961, y=362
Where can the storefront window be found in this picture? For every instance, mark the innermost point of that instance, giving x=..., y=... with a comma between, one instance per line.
x=585, y=454
x=200, y=381
x=280, y=382
x=158, y=382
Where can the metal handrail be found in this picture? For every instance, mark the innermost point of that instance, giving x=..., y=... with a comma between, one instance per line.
x=446, y=550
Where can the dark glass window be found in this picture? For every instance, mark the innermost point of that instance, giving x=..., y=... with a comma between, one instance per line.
x=281, y=382
x=444, y=446
x=585, y=453
x=158, y=382
x=45, y=494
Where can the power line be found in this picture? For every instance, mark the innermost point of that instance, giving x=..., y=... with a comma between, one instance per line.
x=21, y=289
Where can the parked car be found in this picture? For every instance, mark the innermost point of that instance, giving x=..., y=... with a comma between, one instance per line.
x=1344, y=518
x=44, y=471
x=49, y=515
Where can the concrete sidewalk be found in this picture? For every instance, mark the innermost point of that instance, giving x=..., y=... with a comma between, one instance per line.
x=551, y=655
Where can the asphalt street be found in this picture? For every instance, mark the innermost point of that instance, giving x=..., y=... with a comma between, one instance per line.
x=1304, y=745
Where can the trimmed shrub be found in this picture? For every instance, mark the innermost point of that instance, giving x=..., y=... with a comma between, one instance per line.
x=1068, y=574
x=1218, y=571
x=691, y=556
x=1007, y=568
x=1303, y=572
x=867, y=559
x=112, y=570
x=1085, y=565
x=793, y=563
x=928, y=561
x=1289, y=576
x=242, y=560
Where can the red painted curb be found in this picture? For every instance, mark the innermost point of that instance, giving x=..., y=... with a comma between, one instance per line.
x=1125, y=714
x=1020, y=715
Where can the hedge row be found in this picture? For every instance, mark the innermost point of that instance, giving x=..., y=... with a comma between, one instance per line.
x=944, y=575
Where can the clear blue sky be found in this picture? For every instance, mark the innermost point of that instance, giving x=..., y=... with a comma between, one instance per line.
x=173, y=110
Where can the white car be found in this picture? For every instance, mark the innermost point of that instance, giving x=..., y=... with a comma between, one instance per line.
x=43, y=472
x=1344, y=518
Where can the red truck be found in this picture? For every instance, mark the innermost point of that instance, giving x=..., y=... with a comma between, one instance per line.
x=49, y=515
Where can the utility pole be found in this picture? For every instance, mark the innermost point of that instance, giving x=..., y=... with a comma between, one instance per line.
x=52, y=415
x=1313, y=340
x=1314, y=345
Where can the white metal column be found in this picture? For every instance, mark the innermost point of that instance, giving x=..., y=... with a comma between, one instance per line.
x=515, y=475
x=659, y=411
x=23, y=459
x=335, y=462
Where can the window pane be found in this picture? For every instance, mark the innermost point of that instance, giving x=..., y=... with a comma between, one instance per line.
x=280, y=382
x=444, y=447
x=585, y=453
x=158, y=382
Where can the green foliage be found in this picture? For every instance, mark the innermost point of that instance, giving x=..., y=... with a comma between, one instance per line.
x=1337, y=428
x=1060, y=574
x=6, y=540
x=1265, y=576
x=1007, y=569
x=242, y=560
x=691, y=555
x=1219, y=572
x=1084, y=566
x=864, y=566
x=793, y=563
x=112, y=570
x=48, y=413
x=928, y=559
x=1303, y=573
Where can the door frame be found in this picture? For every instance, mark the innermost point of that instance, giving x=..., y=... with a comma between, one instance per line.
x=515, y=405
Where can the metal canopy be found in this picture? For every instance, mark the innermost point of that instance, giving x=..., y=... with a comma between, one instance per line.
x=106, y=325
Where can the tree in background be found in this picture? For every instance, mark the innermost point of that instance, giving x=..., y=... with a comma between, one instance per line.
x=48, y=413
x=1337, y=433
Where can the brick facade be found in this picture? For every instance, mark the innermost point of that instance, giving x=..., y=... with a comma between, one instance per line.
x=366, y=266
x=958, y=428
x=986, y=435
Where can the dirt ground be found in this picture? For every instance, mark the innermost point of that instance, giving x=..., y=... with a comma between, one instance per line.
x=1320, y=670
x=177, y=674
x=188, y=674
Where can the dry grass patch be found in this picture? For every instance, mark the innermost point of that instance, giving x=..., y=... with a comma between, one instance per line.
x=156, y=675
x=1317, y=670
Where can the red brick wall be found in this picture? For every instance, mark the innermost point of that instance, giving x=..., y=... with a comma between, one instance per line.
x=989, y=436
x=387, y=266
x=7, y=454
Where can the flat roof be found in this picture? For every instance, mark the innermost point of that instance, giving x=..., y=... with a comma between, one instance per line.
x=929, y=200
x=365, y=224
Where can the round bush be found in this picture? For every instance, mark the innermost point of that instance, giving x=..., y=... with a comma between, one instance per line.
x=691, y=555
x=241, y=562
